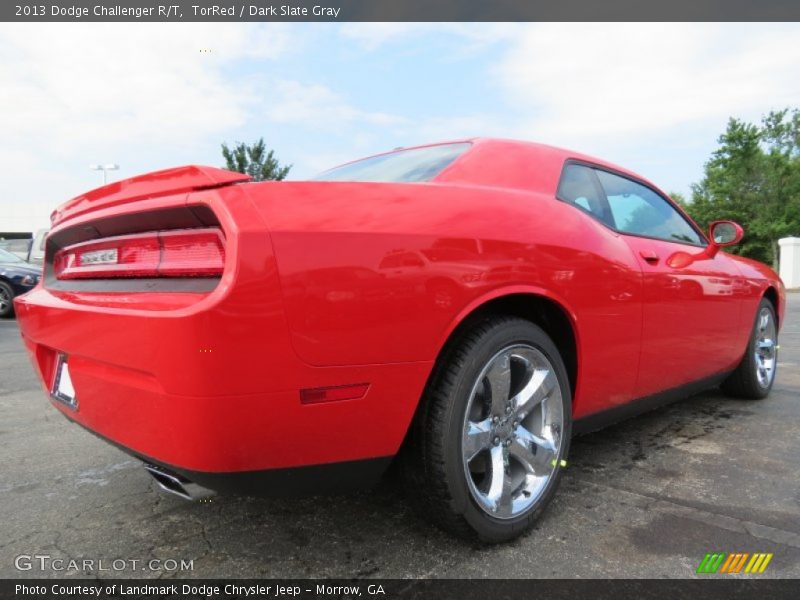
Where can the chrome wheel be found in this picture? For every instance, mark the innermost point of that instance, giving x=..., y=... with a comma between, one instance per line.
x=766, y=348
x=512, y=432
x=5, y=300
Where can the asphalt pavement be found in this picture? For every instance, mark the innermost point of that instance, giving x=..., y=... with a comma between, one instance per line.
x=645, y=498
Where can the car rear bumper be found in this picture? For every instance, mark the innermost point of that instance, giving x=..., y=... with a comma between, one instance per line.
x=207, y=382
x=149, y=385
x=329, y=478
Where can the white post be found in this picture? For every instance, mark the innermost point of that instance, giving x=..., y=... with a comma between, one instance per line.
x=790, y=261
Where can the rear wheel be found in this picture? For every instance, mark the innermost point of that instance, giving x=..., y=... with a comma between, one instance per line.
x=754, y=376
x=6, y=300
x=484, y=455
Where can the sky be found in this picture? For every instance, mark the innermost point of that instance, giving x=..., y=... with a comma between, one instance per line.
x=651, y=97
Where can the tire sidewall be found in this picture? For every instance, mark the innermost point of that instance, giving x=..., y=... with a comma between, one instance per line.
x=489, y=528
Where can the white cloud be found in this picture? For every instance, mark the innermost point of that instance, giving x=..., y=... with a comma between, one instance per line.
x=471, y=36
x=145, y=96
x=74, y=93
x=350, y=131
x=615, y=90
x=86, y=83
x=373, y=35
x=588, y=84
x=315, y=105
x=585, y=81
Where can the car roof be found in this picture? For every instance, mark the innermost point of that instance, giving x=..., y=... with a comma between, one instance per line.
x=516, y=164
x=511, y=164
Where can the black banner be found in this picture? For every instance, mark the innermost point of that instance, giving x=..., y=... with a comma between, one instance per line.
x=388, y=589
x=401, y=10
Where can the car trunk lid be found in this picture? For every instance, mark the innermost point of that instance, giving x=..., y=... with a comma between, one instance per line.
x=177, y=180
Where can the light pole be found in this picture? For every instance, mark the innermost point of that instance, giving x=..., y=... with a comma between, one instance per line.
x=105, y=169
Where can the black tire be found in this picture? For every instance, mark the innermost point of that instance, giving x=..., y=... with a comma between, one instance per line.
x=431, y=461
x=6, y=300
x=744, y=381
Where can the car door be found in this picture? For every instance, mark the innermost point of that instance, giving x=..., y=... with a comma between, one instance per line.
x=690, y=313
x=609, y=299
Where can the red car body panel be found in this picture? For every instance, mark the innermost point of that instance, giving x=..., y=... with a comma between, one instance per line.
x=335, y=284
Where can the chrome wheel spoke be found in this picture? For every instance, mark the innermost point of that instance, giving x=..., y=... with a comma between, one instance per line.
x=505, y=505
x=477, y=438
x=540, y=386
x=499, y=378
x=500, y=492
x=535, y=453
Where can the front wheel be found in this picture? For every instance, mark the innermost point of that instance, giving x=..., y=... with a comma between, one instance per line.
x=485, y=451
x=754, y=376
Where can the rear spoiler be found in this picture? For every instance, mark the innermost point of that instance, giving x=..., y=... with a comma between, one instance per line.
x=158, y=183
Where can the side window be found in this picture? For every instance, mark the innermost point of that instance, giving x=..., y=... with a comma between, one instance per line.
x=639, y=210
x=579, y=186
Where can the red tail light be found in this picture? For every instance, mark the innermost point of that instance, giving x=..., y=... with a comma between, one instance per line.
x=178, y=253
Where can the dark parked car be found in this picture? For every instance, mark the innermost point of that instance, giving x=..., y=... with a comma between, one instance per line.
x=16, y=277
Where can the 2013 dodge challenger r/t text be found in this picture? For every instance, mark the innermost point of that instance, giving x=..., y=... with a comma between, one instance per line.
x=464, y=307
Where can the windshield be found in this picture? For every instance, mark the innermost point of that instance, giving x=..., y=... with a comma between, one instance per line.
x=6, y=256
x=402, y=166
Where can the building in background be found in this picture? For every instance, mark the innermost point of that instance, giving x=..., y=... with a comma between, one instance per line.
x=790, y=262
x=17, y=242
x=25, y=244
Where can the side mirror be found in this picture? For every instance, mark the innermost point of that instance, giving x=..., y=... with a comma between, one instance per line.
x=721, y=233
x=725, y=233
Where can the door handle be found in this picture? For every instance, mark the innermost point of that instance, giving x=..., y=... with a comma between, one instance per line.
x=649, y=256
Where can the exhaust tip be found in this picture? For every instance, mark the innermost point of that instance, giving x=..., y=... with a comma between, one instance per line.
x=175, y=484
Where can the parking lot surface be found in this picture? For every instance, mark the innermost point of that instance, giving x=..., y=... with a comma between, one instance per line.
x=645, y=498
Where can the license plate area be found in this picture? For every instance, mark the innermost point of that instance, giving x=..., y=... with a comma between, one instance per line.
x=62, y=389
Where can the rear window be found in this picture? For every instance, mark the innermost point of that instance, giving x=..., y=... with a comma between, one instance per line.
x=8, y=257
x=402, y=166
x=18, y=246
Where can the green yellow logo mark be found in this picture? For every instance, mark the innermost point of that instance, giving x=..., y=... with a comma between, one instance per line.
x=722, y=562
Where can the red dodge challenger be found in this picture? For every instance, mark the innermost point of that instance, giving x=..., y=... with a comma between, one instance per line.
x=466, y=307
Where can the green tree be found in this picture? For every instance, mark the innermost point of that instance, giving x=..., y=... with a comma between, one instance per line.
x=678, y=199
x=754, y=178
x=254, y=160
